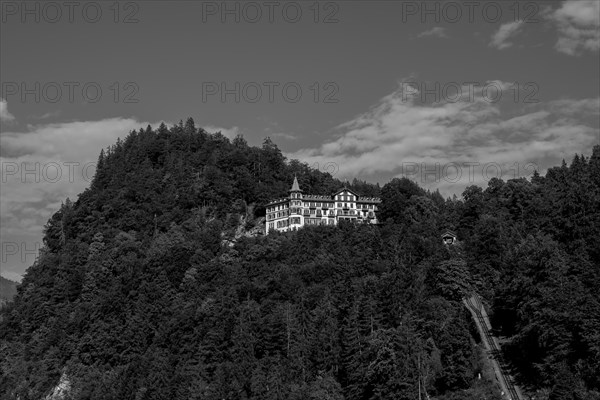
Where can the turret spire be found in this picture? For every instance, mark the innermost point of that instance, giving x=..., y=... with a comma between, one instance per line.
x=295, y=186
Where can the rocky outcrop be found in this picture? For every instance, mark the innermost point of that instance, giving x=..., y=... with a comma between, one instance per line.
x=61, y=390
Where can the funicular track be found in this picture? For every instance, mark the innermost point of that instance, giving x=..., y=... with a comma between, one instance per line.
x=474, y=304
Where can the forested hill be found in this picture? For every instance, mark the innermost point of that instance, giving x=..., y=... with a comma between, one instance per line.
x=138, y=293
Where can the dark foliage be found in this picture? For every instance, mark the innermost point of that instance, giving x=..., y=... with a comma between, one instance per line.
x=138, y=295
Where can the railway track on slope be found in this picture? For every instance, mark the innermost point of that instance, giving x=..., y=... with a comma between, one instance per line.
x=475, y=306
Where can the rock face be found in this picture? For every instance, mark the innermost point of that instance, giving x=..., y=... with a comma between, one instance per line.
x=61, y=390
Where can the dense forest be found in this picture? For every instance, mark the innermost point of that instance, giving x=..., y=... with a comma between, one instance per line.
x=147, y=288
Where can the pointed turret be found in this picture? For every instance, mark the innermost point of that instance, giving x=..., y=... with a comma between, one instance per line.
x=295, y=186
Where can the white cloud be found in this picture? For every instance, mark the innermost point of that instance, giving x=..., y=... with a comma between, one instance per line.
x=40, y=168
x=47, y=115
x=578, y=24
x=13, y=276
x=400, y=134
x=436, y=31
x=501, y=39
x=4, y=114
x=229, y=133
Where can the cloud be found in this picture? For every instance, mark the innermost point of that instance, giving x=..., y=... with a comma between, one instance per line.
x=578, y=25
x=51, y=114
x=452, y=145
x=5, y=116
x=437, y=31
x=40, y=168
x=13, y=276
x=500, y=39
x=283, y=135
x=229, y=133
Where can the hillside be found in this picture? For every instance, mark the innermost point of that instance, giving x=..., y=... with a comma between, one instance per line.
x=146, y=288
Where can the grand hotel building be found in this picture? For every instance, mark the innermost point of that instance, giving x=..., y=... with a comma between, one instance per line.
x=298, y=210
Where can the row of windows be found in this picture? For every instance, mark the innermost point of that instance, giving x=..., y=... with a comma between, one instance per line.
x=292, y=211
x=298, y=203
x=277, y=208
x=324, y=205
x=280, y=214
x=342, y=197
x=345, y=197
x=319, y=214
x=317, y=221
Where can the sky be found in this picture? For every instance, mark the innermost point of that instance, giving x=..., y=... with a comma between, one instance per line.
x=446, y=93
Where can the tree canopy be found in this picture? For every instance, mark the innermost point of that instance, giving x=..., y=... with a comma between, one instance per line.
x=139, y=293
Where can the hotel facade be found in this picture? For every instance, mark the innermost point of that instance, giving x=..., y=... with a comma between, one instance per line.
x=298, y=210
